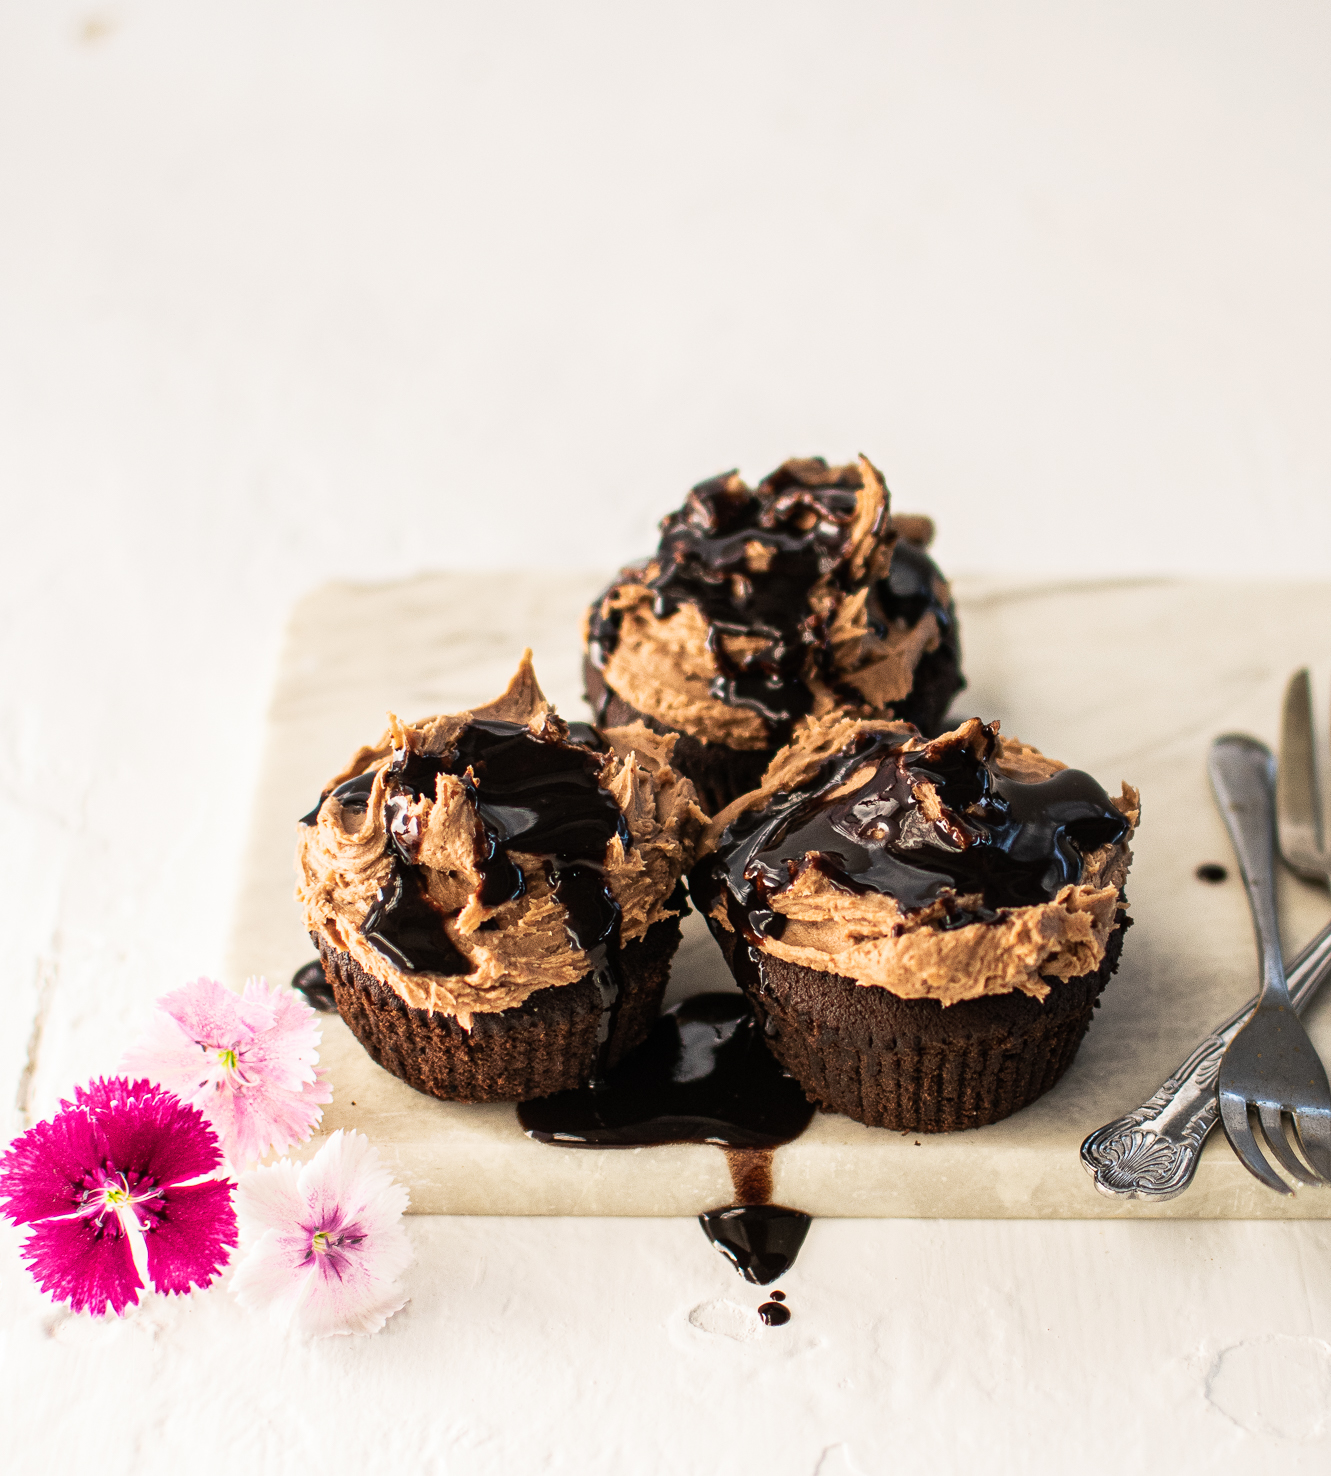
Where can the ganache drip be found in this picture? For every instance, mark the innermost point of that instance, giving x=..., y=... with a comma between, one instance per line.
x=703, y=1075
x=536, y=796
x=749, y=558
x=353, y=793
x=996, y=839
x=408, y=929
x=311, y=981
x=761, y=1241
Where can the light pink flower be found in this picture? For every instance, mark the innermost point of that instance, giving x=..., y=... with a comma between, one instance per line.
x=331, y=1242
x=248, y=1062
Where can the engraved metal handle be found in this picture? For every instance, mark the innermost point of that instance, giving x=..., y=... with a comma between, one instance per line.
x=1152, y=1153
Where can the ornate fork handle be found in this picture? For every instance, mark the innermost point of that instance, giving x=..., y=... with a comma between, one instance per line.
x=1152, y=1153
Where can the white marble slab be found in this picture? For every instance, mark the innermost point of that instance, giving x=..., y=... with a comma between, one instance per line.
x=1126, y=679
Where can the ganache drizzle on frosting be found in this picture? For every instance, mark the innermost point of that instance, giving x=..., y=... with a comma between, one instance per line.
x=909, y=592
x=1011, y=843
x=533, y=795
x=801, y=516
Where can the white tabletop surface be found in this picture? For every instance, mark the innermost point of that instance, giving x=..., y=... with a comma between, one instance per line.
x=298, y=291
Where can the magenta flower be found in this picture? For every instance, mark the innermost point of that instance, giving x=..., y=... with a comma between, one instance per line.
x=248, y=1062
x=116, y=1183
x=330, y=1240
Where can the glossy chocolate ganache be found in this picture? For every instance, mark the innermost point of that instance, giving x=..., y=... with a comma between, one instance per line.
x=870, y=852
x=703, y=1075
x=763, y=605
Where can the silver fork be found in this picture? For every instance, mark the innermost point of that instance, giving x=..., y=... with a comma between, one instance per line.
x=1271, y=1067
x=1153, y=1151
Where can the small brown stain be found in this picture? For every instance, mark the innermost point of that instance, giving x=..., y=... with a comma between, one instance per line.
x=96, y=28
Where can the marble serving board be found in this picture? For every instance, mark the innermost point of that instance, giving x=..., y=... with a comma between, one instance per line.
x=1127, y=679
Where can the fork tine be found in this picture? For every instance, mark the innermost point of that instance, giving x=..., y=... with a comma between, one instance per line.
x=1273, y=1129
x=1314, y=1130
x=1298, y=801
x=1234, y=1118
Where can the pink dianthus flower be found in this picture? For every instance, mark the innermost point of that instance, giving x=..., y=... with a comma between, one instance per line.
x=116, y=1182
x=248, y=1062
x=330, y=1240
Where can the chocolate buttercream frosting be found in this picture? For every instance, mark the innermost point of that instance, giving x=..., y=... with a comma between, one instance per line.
x=469, y=860
x=946, y=869
x=764, y=605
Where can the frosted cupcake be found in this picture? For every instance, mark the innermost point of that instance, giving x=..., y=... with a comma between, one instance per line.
x=924, y=926
x=495, y=905
x=765, y=605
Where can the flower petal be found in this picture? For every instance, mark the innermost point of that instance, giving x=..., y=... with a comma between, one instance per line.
x=42, y=1174
x=88, y=1265
x=268, y=1199
x=289, y=1049
x=145, y=1130
x=358, y=1303
x=273, y=1275
x=345, y=1182
x=271, y=1094
x=167, y=1053
x=191, y=1237
x=261, y=1119
x=207, y=1011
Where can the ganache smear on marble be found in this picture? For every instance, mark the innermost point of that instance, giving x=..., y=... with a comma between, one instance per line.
x=536, y=796
x=703, y=1075
x=1010, y=843
x=311, y=981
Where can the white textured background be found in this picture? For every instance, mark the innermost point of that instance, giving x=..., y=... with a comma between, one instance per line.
x=291, y=291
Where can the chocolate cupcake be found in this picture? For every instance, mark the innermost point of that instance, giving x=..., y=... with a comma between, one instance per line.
x=495, y=905
x=924, y=927
x=765, y=605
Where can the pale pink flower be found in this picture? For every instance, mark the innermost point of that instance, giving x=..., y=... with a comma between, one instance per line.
x=248, y=1062
x=330, y=1240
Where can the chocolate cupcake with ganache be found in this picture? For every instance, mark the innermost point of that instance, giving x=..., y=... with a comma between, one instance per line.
x=764, y=605
x=496, y=905
x=924, y=927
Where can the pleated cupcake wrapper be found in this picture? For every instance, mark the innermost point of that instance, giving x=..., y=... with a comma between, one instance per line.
x=929, y=1089
x=545, y=1045
x=928, y=1085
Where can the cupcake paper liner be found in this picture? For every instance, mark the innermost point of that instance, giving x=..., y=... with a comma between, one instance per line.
x=911, y=1064
x=546, y=1044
